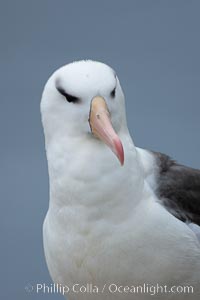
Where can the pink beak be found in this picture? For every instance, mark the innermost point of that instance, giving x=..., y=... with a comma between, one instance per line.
x=101, y=127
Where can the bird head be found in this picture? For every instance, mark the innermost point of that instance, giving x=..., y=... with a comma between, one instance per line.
x=84, y=98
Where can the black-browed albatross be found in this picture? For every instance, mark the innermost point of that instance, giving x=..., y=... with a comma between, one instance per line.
x=131, y=224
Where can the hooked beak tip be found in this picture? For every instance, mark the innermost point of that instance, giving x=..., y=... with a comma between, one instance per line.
x=119, y=151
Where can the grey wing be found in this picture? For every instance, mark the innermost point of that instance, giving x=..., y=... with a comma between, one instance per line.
x=178, y=188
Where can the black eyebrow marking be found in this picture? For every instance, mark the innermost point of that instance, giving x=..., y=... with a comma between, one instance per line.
x=113, y=92
x=68, y=97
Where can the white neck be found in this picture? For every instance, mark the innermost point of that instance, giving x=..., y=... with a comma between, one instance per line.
x=84, y=172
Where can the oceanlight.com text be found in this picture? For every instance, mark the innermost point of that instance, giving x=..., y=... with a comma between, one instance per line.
x=89, y=288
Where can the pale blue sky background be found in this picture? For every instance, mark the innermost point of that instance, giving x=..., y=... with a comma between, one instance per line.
x=153, y=45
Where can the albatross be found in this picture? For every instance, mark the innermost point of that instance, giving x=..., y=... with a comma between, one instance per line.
x=119, y=217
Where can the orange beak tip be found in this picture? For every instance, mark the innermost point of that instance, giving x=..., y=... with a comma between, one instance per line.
x=118, y=150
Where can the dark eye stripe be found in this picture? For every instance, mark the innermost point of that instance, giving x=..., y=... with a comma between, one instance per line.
x=67, y=96
x=113, y=92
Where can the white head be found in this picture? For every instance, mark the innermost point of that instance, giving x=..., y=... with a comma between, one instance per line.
x=84, y=98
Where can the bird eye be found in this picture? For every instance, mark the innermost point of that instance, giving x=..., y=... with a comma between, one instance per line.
x=112, y=94
x=67, y=96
